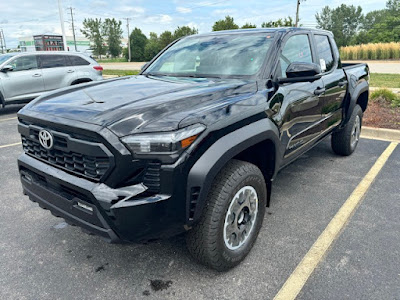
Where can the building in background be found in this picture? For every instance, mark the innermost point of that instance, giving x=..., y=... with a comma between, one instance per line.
x=29, y=43
x=48, y=42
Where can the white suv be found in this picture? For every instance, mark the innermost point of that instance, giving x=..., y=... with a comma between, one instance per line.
x=24, y=76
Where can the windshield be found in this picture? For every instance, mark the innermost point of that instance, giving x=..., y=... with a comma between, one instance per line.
x=224, y=55
x=5, y=57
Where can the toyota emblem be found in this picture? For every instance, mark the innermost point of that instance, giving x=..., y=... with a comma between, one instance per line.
x=46, y=139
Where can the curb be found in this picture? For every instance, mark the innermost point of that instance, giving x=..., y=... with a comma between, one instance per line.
x=394, y=90
x=383, y=134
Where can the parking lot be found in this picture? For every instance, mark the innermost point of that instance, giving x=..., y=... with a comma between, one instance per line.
x=44, y=258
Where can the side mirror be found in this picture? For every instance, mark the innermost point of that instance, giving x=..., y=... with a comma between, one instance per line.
x=301, y=69
x=144, y=66
x=7, y=68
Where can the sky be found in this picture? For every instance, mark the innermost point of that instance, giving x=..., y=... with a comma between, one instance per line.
x=28, y=18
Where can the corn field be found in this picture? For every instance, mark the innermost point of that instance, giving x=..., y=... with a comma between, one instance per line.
x=371, y=51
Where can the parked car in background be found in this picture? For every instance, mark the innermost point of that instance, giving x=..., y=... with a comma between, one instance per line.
x=24, y=76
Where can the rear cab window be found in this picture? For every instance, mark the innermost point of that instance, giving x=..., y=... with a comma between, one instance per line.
x=52, y=61
x=325, y=53
x=296, y=49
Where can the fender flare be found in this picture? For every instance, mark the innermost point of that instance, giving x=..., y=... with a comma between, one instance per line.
x=359, y=89
x=81, y=80
x=203, y=172
x=2, y=101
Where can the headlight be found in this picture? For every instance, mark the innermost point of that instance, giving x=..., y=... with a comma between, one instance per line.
x=163, y=142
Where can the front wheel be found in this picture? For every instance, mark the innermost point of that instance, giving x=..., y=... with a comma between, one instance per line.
x=345, y=141
x=232, y=217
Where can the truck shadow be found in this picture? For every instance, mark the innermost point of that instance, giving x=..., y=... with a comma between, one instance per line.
x=11, y=109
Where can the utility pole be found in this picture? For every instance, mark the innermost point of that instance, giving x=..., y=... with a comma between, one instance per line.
x=62, y=25
x=3, y=42
x=297, y=12
x=129, y=39
x=73, y=27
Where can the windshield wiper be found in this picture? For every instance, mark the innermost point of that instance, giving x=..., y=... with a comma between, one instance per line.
x=198, y=76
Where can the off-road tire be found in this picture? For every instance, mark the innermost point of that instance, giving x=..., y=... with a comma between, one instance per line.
x=205, y=240
x=341, y=141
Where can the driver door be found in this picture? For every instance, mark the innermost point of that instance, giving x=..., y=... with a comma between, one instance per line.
x=25, y=81
x=301, y=105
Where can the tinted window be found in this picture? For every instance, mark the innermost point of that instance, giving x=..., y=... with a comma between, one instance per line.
x=24, y=63
x=78, y=61
x=324, y=52
x=296, y=49
x=52, y=61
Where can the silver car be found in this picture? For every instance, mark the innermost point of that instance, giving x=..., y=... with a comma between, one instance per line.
x=24, y=76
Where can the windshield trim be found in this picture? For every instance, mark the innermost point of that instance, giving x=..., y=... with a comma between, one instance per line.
x=258, y=74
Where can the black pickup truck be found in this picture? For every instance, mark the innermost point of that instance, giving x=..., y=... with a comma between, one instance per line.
x=195, y=141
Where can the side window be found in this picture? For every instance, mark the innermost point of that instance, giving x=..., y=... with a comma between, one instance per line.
x=52, y=61
x=324, y=50
x=296, y=49
x=78, y=61
x=24, y=63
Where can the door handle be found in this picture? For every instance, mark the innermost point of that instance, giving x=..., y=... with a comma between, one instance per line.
x=319, y=91
x=37, y=75
x=342, y=83
x=70, y=71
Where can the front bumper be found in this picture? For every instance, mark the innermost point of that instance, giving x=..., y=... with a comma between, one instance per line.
x=114, y=214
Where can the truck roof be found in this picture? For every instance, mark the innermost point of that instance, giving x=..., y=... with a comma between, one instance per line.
x=267, y=30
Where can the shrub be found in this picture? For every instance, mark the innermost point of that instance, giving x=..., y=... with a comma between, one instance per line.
x=386, y=95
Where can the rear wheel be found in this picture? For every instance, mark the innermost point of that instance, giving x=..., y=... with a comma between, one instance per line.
x=345, y=141
x=232, y=218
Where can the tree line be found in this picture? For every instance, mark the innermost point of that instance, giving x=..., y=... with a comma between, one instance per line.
x=351, y=27
x=347, y=22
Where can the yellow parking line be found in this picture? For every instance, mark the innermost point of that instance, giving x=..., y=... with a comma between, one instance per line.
x=8, y=119
x=10, y=145
x=300, y=275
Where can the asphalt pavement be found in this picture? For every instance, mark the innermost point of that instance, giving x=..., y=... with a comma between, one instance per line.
x=44, y=258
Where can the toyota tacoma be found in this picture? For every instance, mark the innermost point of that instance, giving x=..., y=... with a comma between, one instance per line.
x=193, y=143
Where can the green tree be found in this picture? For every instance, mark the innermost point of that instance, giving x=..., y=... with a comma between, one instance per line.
x=113, y=34
x=381, y=25
x=138, y=43
x=165, y=39
x=286, y=22
x=92, y=29
x=152, y=47
x=249, y=25
x=344, y=21
x=226, y=24
x=184, y=31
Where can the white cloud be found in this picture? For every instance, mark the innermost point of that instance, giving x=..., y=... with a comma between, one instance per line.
x=136, y=10
x=183, y=10
x=224, y=12
x=159, y=19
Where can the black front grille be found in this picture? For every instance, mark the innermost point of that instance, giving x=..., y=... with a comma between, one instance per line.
x=90, y=166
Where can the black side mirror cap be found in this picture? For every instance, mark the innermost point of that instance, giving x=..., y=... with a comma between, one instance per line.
x=301, y=72
x=302, y=69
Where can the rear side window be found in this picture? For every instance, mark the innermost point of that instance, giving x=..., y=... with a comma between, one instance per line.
x=78, y=61
x=296, y=49
x=324, y=50
x=52, y=61
x=24, y=63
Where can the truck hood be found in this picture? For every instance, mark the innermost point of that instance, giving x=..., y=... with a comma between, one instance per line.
x=140, y=103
